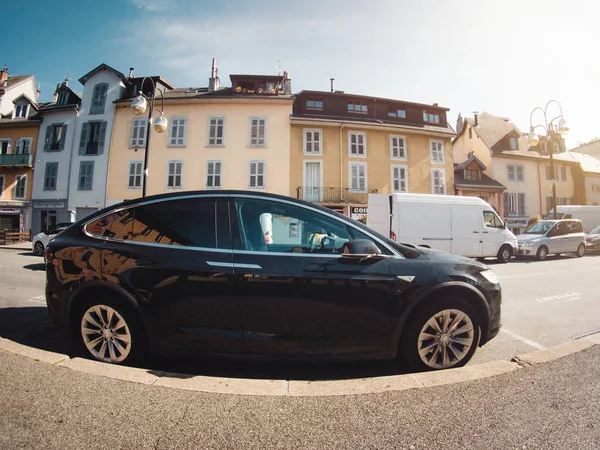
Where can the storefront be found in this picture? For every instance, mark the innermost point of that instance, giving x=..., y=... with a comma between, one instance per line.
x=14, y=215
x=516, y=224
x=47, y=213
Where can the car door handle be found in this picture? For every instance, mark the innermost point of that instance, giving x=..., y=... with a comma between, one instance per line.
x=233, y=265
x=484, y=232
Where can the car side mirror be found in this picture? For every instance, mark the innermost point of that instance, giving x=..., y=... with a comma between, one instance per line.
x=360, y=249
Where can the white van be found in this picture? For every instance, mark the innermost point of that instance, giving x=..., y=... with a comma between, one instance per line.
x=588, y=214
x=462, y=225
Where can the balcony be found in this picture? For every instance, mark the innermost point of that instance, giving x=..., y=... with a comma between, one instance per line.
x=329, y=195
x=16, y=160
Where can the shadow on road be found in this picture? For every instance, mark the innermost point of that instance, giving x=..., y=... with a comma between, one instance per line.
x=35, y=267
x=32, y=326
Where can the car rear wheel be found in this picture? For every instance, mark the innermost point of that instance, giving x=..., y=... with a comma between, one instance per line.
x=580, y=250
x=504, y=254
x=110, y=332
x=38, y=249
x=542, y=253
x=443, y=335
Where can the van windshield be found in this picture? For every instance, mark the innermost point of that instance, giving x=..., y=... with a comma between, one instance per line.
x=539, y=227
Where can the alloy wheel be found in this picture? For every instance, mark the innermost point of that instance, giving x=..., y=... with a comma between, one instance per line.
x=106, y=334
x=542, y=253
x=446, y=338
x=580, y=250
x=39, y=249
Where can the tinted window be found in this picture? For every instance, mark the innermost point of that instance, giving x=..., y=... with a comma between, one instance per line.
x=189, y=222
x=270, y=226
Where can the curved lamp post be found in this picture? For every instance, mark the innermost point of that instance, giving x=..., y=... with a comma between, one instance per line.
x=138, y=107
x=550, y=134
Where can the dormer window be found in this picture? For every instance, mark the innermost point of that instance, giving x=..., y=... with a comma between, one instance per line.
x=63, y=98
x=21, y=111
x=358, y=108
x=513, y=143
x=431, y=118
x=472, y=174
x=314, y=104
x=398, y=114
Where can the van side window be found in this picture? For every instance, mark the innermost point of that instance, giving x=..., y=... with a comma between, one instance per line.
x=491, y=219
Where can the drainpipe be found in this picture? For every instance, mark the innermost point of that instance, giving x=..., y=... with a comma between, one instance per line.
x=540, y=184
x=342, y=125
x=71, y=159
x=108, y=153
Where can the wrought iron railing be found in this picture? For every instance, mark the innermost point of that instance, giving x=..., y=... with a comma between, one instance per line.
x=334, y=195
x=19, y=160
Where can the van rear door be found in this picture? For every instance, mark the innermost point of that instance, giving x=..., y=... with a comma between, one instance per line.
x=467, y=227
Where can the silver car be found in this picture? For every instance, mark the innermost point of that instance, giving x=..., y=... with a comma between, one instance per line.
x=547, y=237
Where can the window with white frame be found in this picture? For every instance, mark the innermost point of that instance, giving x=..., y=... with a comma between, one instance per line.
x=514, y=204
x=437, y=151
x=358, y=108
x=20, y=187
x=134, y=176
x=21, y=111
x=438, y=181
x=515, y=173
x=258, y=132
x=397, y=113
x=397, y=147
x=358, y=177
x=138, y=133
x=357, y=144
x=23, y=146
x=256, y=178
x=216, y=132
x=177, y=132
x=512, y=142
x=213, y=174
x=1, y=186
x=312, y=142
x=431, y=117
x=399, y=178
x=174, y=174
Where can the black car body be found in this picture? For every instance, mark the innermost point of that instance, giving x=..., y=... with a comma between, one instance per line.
x=264, y=276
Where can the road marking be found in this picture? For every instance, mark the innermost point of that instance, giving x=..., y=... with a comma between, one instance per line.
x=39, y=300
x=518, y=337
x=556, y=298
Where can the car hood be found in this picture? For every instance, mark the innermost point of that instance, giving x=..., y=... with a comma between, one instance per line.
x=529, y=237
x=592, y=236
x=438, y=255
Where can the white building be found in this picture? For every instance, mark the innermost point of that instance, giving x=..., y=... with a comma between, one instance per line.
x=12, y=88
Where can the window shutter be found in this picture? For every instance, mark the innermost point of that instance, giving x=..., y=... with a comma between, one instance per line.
x=174, y=130
x=101, y=137
x=84, y=138
x=19, y=147
x=182, y=131
x=522, y=204
x=48, y=141
x=63, y=137
x=506, y=204
x=133, y=136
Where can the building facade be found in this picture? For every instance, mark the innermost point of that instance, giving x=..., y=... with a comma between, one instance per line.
x=345, y=146
x=217, y=138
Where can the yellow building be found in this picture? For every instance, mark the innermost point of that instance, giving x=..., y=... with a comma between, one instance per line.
x=19, y=131
x=345, y=146
x=217, y=138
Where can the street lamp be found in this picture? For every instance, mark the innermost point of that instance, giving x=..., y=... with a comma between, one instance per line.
x=138, y=107
x=551, y=133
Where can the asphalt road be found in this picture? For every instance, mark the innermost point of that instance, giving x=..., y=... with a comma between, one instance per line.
x=544, y=304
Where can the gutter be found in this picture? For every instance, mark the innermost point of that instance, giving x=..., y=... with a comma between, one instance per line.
x=71, y=158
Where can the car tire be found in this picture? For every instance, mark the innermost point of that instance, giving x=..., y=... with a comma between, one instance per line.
x=429, y=345
x=542, y=253
x=504, y=254
x=110, y=331
x=580, y=250
x=38, y=249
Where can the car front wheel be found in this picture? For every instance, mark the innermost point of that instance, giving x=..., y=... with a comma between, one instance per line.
x=504, y=254
x=542, y=253
x=443, y=335
x=111, y=333
x=38, y=249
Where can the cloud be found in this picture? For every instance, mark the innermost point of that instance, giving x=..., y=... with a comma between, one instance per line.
x=154, y=5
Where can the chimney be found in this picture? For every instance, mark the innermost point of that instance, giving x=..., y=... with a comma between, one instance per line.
x=38, y=92
x=287, y=84
x=213, y=81
x=131, y=72
x=65, y=83
x=55, y=96
x=332, y=86
x=459, y=124
x=4, y=75
x=476, y=118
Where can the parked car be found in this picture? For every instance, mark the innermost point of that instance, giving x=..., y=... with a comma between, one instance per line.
x=592, y=240
x=40, y=240
x=546, y=237
x=193, y=273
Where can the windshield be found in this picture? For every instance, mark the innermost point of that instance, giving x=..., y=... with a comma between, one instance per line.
x=595, y=230
x=539, y=227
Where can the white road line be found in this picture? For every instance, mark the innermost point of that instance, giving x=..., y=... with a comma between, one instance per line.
x=518, y=337
x=36, y=301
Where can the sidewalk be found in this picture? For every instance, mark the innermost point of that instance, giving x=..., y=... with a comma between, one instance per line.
x=18, y=246
x=546, y=406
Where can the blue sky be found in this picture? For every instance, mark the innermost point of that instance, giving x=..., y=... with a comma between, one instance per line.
x=501, y=56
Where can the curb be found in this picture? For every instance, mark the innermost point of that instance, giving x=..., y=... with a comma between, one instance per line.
x=240, y=386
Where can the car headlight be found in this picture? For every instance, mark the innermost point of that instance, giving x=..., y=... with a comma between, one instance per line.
x=490, y=275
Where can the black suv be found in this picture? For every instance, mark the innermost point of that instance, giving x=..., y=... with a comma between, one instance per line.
x=262, y=275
